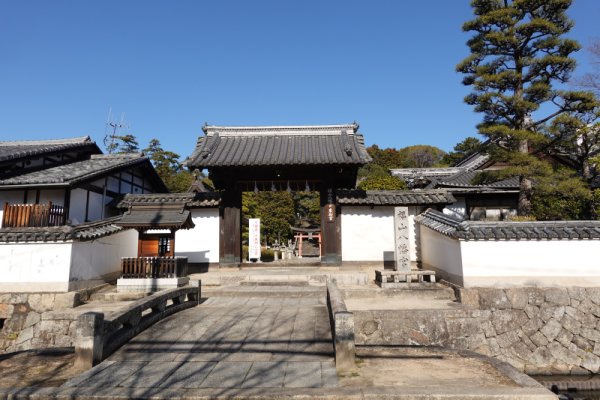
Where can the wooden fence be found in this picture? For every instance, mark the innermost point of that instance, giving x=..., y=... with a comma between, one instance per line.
x=154, y=267
x=33, y=215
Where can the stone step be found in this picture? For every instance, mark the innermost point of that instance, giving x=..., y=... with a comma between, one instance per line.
x=428, y=292
x=116, y=296
x=279, y=291
x=275, y=283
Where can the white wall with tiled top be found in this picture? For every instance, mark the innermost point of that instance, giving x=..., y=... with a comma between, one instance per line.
x=368, y=233
x=201, y=243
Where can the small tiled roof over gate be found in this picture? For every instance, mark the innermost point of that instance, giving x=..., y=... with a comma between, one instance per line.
x=231, y=146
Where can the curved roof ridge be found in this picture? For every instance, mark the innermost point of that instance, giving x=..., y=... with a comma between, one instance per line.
x=41, y=142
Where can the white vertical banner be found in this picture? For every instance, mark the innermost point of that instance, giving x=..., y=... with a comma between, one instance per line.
x=254, y=238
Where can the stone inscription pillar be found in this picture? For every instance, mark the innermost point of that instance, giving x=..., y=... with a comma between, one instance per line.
x=401, y=242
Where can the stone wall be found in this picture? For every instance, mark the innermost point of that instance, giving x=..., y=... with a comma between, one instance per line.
x=538, y=331
x=34, y=320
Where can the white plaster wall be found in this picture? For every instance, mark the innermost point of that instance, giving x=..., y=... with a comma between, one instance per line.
x=200, y=244
x=532, y=263
x=95, y=207
x=35, y=267
x=458, y=209
x=57, y=197
x=441, y=254
x=368, y=233
x=100, y=259
x=77, y=206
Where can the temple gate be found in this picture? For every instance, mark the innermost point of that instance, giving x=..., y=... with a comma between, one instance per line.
x=323, y=158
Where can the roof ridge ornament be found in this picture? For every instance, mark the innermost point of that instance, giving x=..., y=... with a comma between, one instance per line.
x=347, y=146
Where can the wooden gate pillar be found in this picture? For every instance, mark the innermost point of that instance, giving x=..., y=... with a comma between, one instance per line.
x=230, y=245
x=330, y=227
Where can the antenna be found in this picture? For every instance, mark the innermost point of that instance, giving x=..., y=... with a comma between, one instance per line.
x=109, y=137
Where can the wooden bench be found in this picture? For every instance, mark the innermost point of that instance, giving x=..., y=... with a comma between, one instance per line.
x=389, y=278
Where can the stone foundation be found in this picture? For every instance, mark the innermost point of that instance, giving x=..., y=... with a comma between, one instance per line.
x=537, y=330
x=30, y=320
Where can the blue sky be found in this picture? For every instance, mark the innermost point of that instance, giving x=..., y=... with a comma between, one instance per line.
x=171, y=66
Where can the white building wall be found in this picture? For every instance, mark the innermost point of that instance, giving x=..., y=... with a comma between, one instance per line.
x=368, y=233
x=458, y=209
x=200, y=244
x=96, y=261
x=531, y=263
x=35, y=267
x=57, y=197
x=499, y=263
x=441, y=254
x=77, y=206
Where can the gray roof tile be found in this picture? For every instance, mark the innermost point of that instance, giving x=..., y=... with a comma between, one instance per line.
x=190, y=199
x=507, y=230
x=464, y=179
x=81, y=233
x=394, y=197
x=226, y=146
x=68, y=174
x=12, y=150
x=157, y=217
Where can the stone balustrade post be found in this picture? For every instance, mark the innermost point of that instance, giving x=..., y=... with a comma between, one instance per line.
x=344, y=341
x=89, y=340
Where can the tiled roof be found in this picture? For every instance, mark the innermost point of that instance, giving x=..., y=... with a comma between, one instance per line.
x=157, y=217
x=11, y=150
x=227, y=146
x=506, y=230
x=68, y=174
x=473, y=161
x=394, y=197
x=202, y=199
x=464, y=179
x=83, y=232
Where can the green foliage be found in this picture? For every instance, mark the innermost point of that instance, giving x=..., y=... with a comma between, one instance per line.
x=517, y=52
x=307, y=206
x=168, y=167
x=372, y=169
x=383, y=182
x=462, y=149
x=386, y=158
x=418, y=156
x=276, y=213
x=421, y=156
x=121, y=144
x=577, y=135
x=561, y=196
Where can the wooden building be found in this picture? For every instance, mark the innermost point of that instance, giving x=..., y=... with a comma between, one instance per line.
x=67, y=181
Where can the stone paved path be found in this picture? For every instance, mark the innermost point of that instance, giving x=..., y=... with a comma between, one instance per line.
x=227, y=342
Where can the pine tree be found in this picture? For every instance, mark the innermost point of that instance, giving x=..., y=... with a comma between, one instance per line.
x=168, y=167
x=462, y=149
x=517, y=53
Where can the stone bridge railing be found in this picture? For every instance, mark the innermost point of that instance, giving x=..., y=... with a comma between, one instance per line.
x=342, y=329
x=96, y=337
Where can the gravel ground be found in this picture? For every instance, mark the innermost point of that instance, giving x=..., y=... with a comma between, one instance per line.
x=47, y=368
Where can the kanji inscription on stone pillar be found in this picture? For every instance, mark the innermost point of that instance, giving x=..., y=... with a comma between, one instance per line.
x=401, y=250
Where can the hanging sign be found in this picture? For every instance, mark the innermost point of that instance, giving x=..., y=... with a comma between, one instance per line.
x=330, y=212
x=254, y=238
